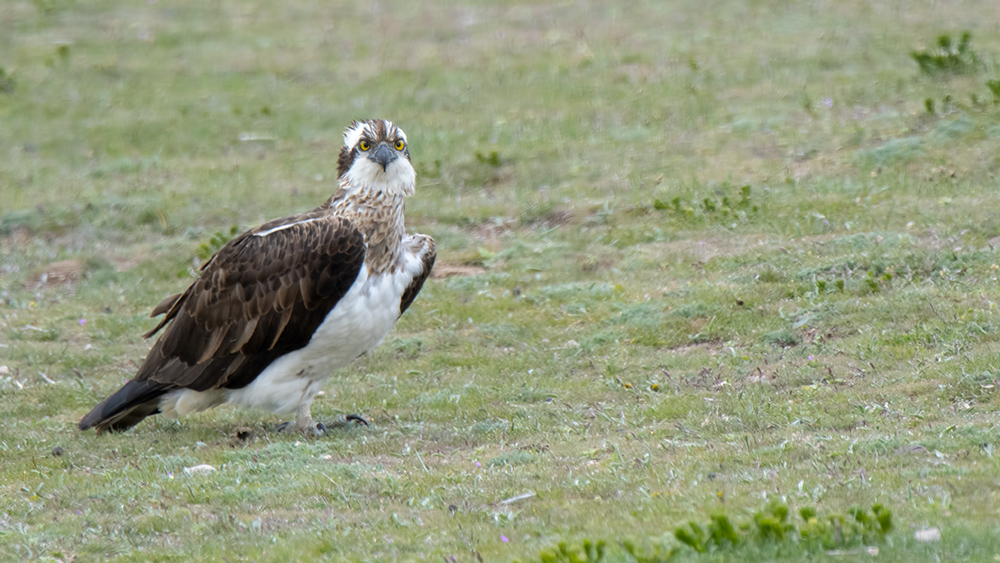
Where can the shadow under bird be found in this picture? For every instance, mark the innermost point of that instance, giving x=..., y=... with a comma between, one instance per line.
x=281, y=307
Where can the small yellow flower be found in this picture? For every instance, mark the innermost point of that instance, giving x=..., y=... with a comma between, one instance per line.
x=628, y=385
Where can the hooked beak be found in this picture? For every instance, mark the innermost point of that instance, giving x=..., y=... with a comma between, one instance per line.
x=383, y=155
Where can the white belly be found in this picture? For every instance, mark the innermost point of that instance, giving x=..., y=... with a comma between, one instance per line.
x=360, y=321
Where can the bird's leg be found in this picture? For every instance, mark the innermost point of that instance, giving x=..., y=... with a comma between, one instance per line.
x=345, y=422
x=305, y=422
x=356, y=419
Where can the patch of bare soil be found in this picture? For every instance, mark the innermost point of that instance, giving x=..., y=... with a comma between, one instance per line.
x=704, y=250
x=446, y=270
x=58, y=273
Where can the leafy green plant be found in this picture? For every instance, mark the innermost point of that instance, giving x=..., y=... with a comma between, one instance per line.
x=693, y=536
x=709, y=206
x=720, y=533
x=950, y=57
x=657, y=555
x=769, y=526
x=208, y=249
x=874, y=281
x=837, y=530
x=7, y=82
x=783, y=338
x=875, y=526
x=994, y=86
x=492, y=158
x=593, y=552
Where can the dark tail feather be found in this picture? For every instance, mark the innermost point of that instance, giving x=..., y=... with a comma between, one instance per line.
x=126, y=407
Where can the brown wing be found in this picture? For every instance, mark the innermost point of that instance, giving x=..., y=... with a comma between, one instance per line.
x=260, y=297
x=237, y=316
x=429, y=255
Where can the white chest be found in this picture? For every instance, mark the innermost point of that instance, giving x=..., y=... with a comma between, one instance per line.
x=359, y=322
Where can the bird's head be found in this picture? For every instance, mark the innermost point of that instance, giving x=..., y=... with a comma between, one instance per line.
x=376, y=156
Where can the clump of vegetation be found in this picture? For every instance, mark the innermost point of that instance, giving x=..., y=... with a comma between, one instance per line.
x=950, y=57
x=491, y=158
x=429, y=169
x=771, y=525
x=768, y=527
x=994, y=87
x=894, y=151
x=592, y=553
x=874, y=281
x=7, y=82
x=208, y=249
x=657, y=555
x=836, y=530
x=709, y=206
x=783, y=338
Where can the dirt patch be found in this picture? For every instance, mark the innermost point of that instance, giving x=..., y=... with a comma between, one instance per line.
x=719, y=247
x=491, y=229
x=704, y=250
x=58, y=273
x=124, y=262
x=556, y=218
x=593, y=263
x=446, y=270
x=692, y=348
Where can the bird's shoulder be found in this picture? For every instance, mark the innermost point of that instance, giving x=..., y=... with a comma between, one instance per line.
x=324, y=215
x=272, y=255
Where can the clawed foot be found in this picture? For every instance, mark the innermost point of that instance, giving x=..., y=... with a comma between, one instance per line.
x=349, y=421
x=311, y=428
x=356, y=419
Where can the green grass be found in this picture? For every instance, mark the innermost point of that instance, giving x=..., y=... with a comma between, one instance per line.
x=733, y=253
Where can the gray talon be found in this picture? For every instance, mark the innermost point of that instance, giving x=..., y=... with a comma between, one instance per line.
x=356, y=418
x=319, y=428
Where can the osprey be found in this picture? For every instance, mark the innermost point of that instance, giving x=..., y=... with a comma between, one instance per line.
x=282, y=306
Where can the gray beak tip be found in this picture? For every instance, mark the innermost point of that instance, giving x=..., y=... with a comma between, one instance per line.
x=383, y=155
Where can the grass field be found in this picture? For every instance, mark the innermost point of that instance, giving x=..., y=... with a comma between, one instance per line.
x=710, y=255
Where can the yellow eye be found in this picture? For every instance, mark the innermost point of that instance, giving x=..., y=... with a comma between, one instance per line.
x=363, y=145
x=400, y=144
